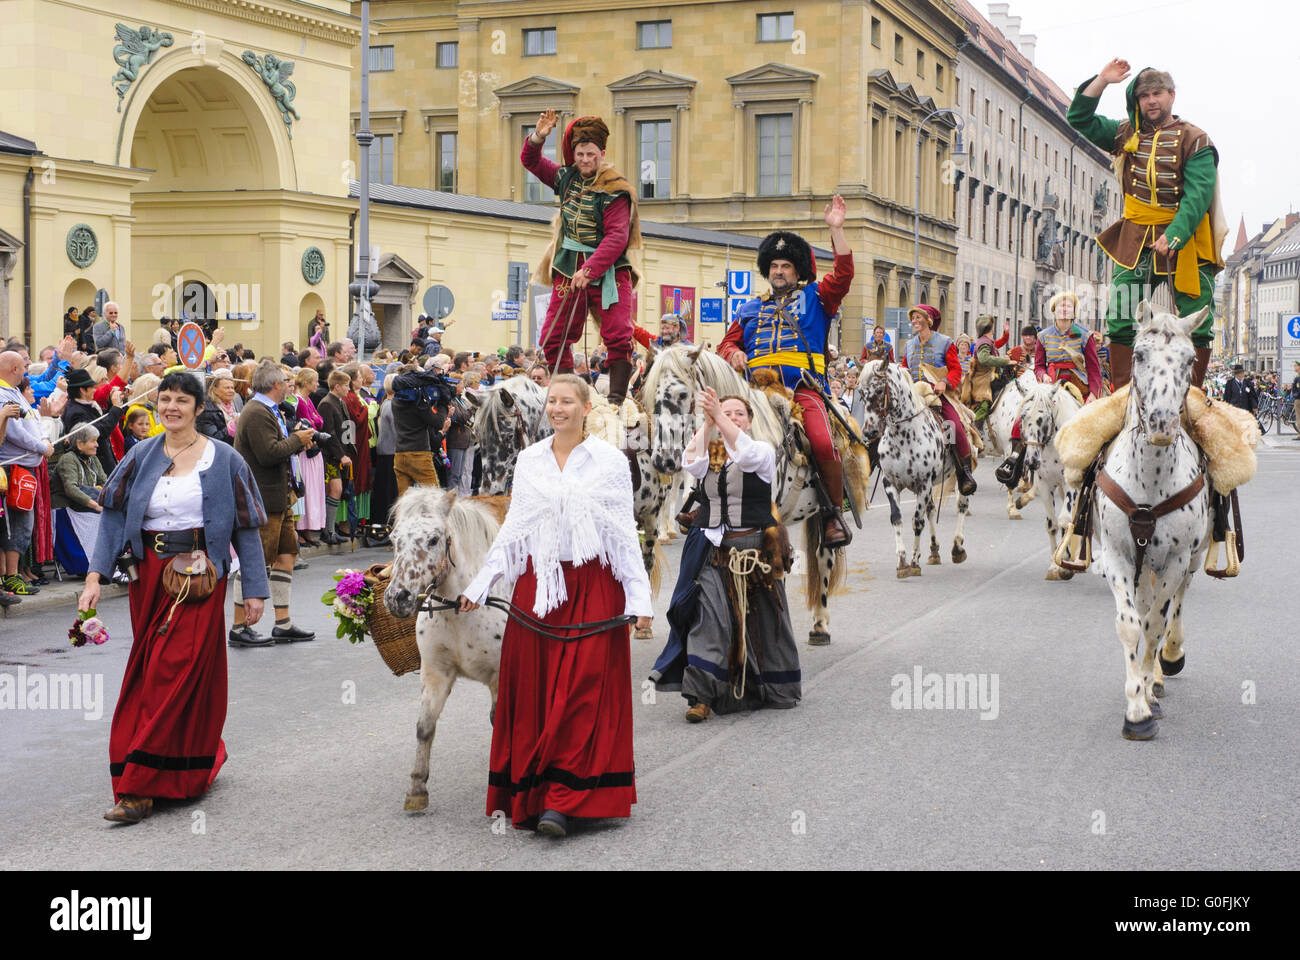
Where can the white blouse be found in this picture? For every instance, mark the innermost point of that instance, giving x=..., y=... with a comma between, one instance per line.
x=581, y=471
x=177, y=502
x=752, y=456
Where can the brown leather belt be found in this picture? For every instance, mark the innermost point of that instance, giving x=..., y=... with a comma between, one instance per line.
x=736, y=534
x=169, y=543
x=1142, y=517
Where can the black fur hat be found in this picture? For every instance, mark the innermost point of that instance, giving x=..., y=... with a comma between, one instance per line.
x=783, y=245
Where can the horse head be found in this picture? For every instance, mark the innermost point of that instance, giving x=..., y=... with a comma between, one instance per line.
x=872, y=398
x=422, y=547
x=669, y=393
x=1038, y=422
x=1163, y=357
x=509, y=418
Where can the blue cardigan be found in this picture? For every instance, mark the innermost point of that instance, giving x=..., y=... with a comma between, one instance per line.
x=232, y=508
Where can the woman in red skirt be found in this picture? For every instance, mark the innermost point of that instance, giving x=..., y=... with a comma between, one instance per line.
x=171, y=494
x=562, y=735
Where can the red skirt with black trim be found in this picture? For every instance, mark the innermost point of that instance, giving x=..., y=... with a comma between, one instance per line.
x=166, y=734
x=562, y=737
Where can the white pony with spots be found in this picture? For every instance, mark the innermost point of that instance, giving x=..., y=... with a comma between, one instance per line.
x=912, y=456
x=1042, y=414
x=439, y=544
x=510, y=415
x=999, y=422
x=1152, y=461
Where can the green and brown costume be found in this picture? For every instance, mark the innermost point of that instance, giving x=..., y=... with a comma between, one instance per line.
x=1169, y=180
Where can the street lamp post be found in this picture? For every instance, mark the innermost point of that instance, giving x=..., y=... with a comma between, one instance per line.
x=363, y=288
x=916, y=208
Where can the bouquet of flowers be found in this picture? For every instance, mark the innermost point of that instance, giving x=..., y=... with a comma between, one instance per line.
x=350, y=600
x=88, y=628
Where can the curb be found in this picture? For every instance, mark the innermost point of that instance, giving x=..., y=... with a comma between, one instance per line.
x=64, y=595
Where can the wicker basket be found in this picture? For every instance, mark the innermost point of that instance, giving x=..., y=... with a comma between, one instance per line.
x=394, y=638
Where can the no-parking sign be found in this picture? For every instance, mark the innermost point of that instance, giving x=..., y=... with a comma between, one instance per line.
x=190, y=344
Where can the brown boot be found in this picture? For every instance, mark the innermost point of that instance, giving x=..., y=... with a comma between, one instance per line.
x=966, y=485
x=130, y=809
x=698, y=712
x=835, y=533
x=1121, y=365
x=1200, y=366
x=620, y=372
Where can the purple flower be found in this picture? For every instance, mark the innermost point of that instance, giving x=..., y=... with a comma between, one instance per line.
x=353, y=582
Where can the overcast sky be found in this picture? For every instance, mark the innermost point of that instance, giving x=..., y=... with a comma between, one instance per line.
x=1236, y=66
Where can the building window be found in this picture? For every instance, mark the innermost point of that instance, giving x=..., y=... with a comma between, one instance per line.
x=1013, y=131
x=539, y=43
x=773, y=27
x=995, y=298
x=534, y=190
x=875, y=32
x=654, y=34
x=775, y=154
x=447, y=162
x=898, y=47
x=381, y=159
x=968, y=292
x=938, y=75
x=448, y=55
x=972, y=101
x=983, y=298
x=654, y=150
x=987, y=112
x=381, y=59
x=920, y=63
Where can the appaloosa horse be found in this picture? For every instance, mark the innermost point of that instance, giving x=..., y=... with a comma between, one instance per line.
x=1148, y=554
x=669, y=393
x=998, y=424
x=1048, y=408
x=912, y=456
x=510, y=416
x=439, y=543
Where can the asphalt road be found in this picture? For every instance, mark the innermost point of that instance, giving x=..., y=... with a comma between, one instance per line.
x=846, y=780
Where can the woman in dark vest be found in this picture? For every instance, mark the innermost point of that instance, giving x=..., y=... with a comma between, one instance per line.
x=728, y=669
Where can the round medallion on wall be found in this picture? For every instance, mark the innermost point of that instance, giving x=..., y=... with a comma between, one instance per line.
x=313, y=265
x=82, y=245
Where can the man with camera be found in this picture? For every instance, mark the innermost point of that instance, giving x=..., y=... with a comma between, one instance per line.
x=421, y=405
x=263, y=439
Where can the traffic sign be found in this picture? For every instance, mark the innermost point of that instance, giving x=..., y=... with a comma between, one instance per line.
x=1293, y=327
x=734, y=309
x=439, y=302
x=190, y=344
x=740, y=283
x=511, y=307
x=711, y=310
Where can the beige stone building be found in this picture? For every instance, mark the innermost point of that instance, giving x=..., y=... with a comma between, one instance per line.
x=737, y=115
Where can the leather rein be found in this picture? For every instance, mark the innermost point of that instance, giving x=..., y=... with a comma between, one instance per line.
x=430, y=602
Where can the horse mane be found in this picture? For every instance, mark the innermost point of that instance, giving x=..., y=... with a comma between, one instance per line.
x=472, y=522
x=492, y=409
x=712, y=371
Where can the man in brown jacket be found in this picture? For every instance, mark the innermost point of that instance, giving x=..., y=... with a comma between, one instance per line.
x=263, y=439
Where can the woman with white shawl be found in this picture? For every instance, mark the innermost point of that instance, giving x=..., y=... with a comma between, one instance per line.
x=562, y=733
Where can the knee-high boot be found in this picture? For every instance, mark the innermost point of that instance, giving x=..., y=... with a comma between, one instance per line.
x=620, y=372
x=1200, y=366
x=1121, y=365
x=835, y=532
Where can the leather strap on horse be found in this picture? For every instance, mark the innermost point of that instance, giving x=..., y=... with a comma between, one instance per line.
x=432, y=603
x=1142, y=517
x=1234, y=540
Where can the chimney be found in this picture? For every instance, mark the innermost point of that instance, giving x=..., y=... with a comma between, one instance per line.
x=1012, y=31
x=998, y=15
x=1292, y=219
x=1028, y=45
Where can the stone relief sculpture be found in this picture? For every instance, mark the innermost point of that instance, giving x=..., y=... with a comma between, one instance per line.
x=275, y=74
x=133, y=51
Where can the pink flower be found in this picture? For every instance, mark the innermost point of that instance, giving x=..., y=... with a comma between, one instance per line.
x=353, y=582
x=94, y=630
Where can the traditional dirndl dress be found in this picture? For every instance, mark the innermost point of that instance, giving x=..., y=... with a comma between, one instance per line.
x=562, y=734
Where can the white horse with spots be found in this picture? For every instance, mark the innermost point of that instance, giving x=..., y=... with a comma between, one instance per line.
x=509, y=416
x=1042, y=414
x=1154, y=463
x=998, y=425
x=439, y=543
x=912, y=456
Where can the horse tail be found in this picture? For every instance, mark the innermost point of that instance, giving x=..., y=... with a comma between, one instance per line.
x=812, y=543
x=658, y=566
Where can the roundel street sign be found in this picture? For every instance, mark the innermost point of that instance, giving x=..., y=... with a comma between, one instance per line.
x=439, y=302
x=190, y=345
x=1293, y=328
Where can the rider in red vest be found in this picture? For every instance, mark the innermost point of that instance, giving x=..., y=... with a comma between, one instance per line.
x=929, y=348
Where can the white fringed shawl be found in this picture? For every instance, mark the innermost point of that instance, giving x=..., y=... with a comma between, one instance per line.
x=593, y=518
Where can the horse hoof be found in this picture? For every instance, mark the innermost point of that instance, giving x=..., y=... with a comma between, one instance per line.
x=1067, y=574
x=1172, y=667
x=644, y=634
x=1014, y=515
x=1053, y=574
x=1142, y=730
x=958, y=555
x=904, y=572
x=934, y=560
x=914, y=570
x=1157, y=713
x=818, y=639
x=1157, y=689
x=416, y=801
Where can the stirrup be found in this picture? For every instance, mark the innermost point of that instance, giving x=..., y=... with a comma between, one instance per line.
x=1232, y=564
x=1073, y=553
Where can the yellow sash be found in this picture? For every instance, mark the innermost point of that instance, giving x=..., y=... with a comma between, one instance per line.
x=1199, y=247
x=789, y=358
